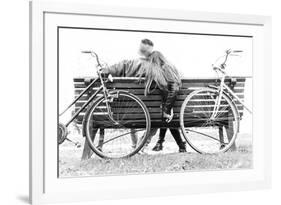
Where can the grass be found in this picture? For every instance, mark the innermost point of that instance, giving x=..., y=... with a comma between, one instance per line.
x=171, y=162
x=168, y=160
x=163, y=163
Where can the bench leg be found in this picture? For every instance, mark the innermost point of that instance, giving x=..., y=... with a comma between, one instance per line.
x=134, y=138
x=221, y=135
x=229, y=132
x=101, y=139
x=87, y=151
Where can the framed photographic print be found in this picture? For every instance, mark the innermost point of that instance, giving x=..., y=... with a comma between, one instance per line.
x=129, y=102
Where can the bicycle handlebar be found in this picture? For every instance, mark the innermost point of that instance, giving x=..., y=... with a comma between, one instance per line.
x=99, y=70
x=237, y=51
x=218, y=68
x=228, y=52
x=222, y=66
x=93, y=54
x=85, y=51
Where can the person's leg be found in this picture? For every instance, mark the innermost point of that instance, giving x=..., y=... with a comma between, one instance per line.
x=162, y=135
x=151, y=134
x=159, y=144
x=177, y=136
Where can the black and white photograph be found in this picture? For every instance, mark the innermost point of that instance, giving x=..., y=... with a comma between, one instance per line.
x=149, y=102
x=131, y=102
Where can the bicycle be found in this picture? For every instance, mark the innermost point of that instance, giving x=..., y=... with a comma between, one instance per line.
x=218, y=110
x=108, y=112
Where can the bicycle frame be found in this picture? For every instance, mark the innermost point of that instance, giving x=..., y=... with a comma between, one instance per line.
x=237, y=98
x=86, y=103
x=101, y=88
x=222, y=89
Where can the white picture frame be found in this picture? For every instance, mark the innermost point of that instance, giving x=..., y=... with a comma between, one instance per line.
x=46, y=187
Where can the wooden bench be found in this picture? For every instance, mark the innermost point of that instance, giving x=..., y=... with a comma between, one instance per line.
x=153, y=100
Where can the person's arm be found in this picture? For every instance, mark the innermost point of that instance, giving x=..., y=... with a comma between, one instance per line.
x=115, y=70
x=173, y=89
x=119, y=69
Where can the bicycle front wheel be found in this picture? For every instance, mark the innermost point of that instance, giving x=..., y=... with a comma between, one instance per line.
x=206, y=129
x=126, y=123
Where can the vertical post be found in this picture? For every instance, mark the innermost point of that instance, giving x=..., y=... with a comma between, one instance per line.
x=101, y=138
x=134, y=138
x=229, y=126
x=87, y=151
x=221, y=135
x=229, y=132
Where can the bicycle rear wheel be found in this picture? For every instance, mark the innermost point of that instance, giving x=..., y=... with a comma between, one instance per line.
x=126, y=125
x=205, y=132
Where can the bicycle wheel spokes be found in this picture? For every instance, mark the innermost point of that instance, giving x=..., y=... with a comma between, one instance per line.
x=205, y=131
x=118, y=143
x=126, y=124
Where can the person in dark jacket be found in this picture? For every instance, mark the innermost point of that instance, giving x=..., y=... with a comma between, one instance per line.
x=169, y=82
x=154, y=67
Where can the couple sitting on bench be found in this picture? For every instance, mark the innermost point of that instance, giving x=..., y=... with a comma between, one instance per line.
x=154, y=67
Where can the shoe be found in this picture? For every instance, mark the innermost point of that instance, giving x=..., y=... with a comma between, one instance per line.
x=182, y=150
x=182, y=147
x=222, y=146
x=158, y=147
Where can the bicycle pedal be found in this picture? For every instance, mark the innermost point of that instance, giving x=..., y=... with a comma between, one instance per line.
x=77, y=144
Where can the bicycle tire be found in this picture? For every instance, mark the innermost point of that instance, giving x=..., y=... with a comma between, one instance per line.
x=90, y=113
x=184, y=128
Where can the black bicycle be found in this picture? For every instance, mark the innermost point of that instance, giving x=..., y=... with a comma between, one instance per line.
x=108, y=110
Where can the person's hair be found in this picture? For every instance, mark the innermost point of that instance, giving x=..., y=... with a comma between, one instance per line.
x=147, y=42
x=159, y=70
